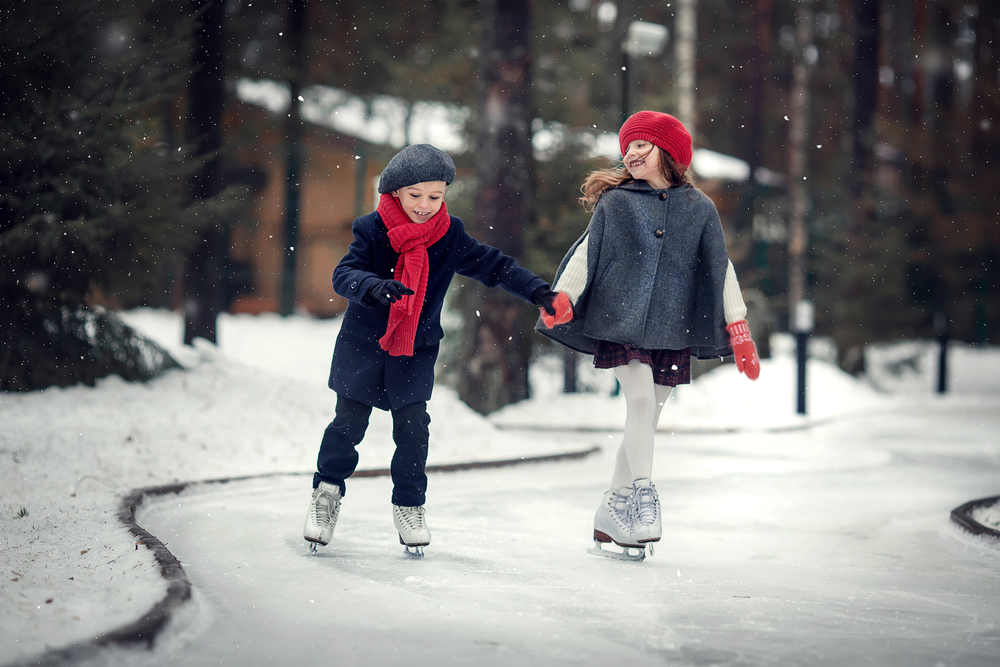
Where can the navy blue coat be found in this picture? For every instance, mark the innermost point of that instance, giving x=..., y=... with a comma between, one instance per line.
x=361, y=369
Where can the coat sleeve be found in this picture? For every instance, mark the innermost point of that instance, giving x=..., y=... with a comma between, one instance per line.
x=353, y=278
x=492, y=268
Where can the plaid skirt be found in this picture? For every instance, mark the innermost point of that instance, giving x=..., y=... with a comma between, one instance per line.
x=670, y=367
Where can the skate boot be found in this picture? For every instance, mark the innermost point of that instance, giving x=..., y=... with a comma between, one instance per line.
x=411, y=524
x=645, y=512
x=322, y=515
x=613, y=523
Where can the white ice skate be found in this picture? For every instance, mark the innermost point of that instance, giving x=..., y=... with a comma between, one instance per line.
x=321, y=519
x=613, y=523
x=646, y=525
x=411, y=524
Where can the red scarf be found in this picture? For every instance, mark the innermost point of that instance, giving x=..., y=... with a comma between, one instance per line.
x=411, y=241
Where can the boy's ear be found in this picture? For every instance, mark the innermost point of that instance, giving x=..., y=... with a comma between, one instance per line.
x=395, y=193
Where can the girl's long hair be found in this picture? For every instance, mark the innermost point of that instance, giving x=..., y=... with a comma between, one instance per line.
x=600, y=180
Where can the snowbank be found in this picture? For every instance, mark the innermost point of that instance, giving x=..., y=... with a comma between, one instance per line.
x=720, y=400
x=911, y=367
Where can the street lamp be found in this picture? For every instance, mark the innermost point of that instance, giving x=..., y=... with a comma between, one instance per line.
x=803, y=323
x=642, y=39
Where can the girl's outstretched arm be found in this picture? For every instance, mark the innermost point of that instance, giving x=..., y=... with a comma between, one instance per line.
x=735, y=310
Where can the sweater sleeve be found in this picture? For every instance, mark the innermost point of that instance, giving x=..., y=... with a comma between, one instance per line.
x=732, y=298
x=574, y=277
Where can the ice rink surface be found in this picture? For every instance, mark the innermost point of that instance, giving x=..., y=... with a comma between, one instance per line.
x=826, y=546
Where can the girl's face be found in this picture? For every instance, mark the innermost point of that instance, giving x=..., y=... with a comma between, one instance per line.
x=421, y=201
x=642, y=159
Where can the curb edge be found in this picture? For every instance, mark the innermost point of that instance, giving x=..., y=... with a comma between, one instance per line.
x=962, y=515
x=144, y=631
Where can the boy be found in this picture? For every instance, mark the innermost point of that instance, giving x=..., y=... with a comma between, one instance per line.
x=395, y=276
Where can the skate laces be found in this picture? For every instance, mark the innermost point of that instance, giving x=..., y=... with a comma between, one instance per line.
x=323, y=508
x=413, y=517
x=620, y=507
x=644, y=505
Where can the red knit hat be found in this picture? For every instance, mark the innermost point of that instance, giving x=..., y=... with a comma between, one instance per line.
x=662, y=130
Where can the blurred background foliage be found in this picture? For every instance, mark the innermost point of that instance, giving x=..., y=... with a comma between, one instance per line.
x=902, y=162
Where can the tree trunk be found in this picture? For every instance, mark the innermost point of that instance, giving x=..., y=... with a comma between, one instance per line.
x=798, y=234
x=865, y=87
x=497, y=338
x=293, y=154
x=758, y=91
x=686, y=28
x=203, y=270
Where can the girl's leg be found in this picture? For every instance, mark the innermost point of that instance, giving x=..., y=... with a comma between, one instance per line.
x=338, y=457
x=410, y=432
x=623, y=473
x=643, y=405
x=662, y=394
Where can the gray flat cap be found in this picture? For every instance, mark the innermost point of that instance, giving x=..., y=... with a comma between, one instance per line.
x=416, y=164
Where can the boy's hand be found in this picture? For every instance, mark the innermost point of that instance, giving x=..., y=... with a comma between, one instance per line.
x=388, y=292
x=555, y=306
x=744, y=349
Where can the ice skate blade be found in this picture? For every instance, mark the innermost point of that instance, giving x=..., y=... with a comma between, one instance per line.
x=633, y=554
x=413, y=552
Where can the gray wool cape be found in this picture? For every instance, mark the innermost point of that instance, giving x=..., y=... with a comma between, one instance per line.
x=657, y=264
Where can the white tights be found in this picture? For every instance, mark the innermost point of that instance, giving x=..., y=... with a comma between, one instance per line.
x=643, y=402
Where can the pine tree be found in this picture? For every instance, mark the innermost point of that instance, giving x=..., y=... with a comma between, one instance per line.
x=90, y=196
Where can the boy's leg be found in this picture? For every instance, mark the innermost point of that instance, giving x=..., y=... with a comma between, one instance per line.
x=410, y=432
x=338, y=457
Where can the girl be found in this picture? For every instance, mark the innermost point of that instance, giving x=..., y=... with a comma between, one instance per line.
x=648, y=285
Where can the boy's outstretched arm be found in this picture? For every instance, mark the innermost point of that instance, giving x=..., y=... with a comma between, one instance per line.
x=490, y=266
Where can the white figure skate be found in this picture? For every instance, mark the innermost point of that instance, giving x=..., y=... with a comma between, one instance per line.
x=411, y=524
x=321, y=519
x=613, y=523
x=646, y=526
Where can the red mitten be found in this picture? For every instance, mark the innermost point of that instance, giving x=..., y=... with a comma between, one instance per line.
x=744, y=350
x=564, y=311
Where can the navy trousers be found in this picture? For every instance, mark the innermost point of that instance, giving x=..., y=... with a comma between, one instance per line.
x=338, y=456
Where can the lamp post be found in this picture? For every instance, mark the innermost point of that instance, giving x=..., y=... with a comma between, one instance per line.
x=642, y=39
x=803, y=324
x=800, y=310
x=941, y=328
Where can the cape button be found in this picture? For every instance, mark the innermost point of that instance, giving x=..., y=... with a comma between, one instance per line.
x=658, y=233
x=354, y=285
x=663, y=195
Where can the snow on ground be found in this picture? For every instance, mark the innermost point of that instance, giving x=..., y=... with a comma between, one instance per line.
x=258, y=404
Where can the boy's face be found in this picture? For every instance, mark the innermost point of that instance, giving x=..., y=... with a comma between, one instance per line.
x=421, y=201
